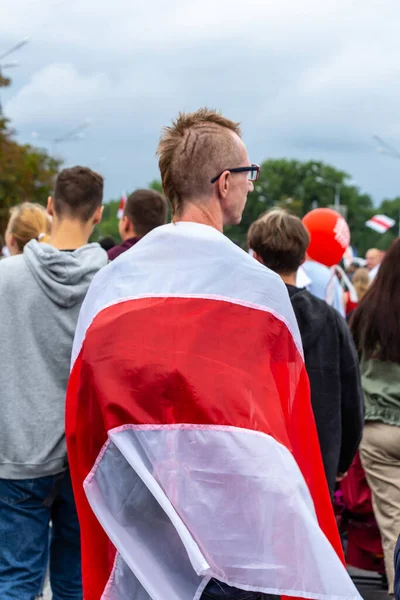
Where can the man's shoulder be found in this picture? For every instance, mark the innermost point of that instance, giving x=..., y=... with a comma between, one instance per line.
x=199, y=258
x=333, y=317
x=303, y=295
x=14, y=278
x=312, y=313
x=12, y=266
x=114, y=252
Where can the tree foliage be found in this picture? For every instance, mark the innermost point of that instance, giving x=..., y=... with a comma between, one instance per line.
x=26, y=173
x=301, y=186
x=108, y=225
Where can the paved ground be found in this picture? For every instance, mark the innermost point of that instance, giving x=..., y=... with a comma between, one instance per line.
x=369, y=585
x=370, y=588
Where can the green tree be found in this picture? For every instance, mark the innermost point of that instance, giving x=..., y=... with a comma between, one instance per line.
x=299, y=187
x=156, y=185
x=26, y=173
x=108, y=225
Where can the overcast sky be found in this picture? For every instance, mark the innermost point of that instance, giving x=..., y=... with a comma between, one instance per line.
x=309, y=80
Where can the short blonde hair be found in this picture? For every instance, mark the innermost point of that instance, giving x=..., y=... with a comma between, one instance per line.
x=361, y=282
x=28, y=221
x=193, y=150
x=280, y=240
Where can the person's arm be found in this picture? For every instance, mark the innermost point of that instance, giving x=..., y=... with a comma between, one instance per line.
x=352, y=402
x=334, y=293
x=339, y=298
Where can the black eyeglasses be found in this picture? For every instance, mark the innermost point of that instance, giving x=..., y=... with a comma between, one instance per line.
x=253, y=172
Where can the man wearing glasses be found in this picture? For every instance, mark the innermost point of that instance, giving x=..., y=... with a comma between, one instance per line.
x=205, y=169
x=192, y=446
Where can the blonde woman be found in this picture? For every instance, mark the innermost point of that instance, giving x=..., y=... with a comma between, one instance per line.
x=27, y=221
x=361, y=282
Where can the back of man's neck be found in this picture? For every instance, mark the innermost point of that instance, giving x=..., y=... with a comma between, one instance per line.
x=193, y=213
x=69, y=236
x=289, y=279
x=129, y=236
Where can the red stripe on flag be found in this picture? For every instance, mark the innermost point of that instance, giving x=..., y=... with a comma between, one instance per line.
x=86, y=436
x=175, y=360
x=121, y=207
x=380, y=222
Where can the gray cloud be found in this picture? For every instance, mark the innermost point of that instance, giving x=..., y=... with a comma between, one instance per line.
x=307, y=80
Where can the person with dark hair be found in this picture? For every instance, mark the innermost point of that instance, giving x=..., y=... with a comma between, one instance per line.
x=41, y=292
x=280, y=241
x=376, y=329
x=143, y=211
x=107, y=243
x=78, y=194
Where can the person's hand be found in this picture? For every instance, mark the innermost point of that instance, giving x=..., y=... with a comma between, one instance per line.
x=340, y=477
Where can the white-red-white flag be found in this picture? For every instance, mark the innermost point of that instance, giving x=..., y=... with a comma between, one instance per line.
x=191, y=439
x=380, y=223
x=122, y=202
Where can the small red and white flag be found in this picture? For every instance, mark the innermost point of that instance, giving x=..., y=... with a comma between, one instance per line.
x=121, y=206
x=191, y=439
x=380, y=223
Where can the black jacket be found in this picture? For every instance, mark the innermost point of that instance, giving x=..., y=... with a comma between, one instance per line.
x=397, y=571
x=333, y=369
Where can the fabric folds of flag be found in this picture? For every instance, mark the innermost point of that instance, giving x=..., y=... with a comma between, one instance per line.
x=191, y=439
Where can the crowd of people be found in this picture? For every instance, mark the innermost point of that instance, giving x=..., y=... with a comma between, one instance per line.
x=216, y=398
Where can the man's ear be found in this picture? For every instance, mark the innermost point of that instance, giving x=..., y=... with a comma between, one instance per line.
x=125, y=223
x=258, y=257
x=97, y=215
x=50, y=206
x=223, y=184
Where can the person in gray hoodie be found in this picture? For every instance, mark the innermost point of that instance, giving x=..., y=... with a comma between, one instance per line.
x=41, y=292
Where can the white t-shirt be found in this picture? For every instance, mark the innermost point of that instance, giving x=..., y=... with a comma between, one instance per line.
x=373, y=273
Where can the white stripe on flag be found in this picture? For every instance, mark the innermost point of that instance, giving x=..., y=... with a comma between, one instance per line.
x=145, y=474
x=122, y=202
x=380, y=223
x=186, y=260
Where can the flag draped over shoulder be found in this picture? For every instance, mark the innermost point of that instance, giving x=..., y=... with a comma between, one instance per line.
x=191, y=439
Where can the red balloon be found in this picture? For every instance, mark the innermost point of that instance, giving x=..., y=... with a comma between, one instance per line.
x=329, y=234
